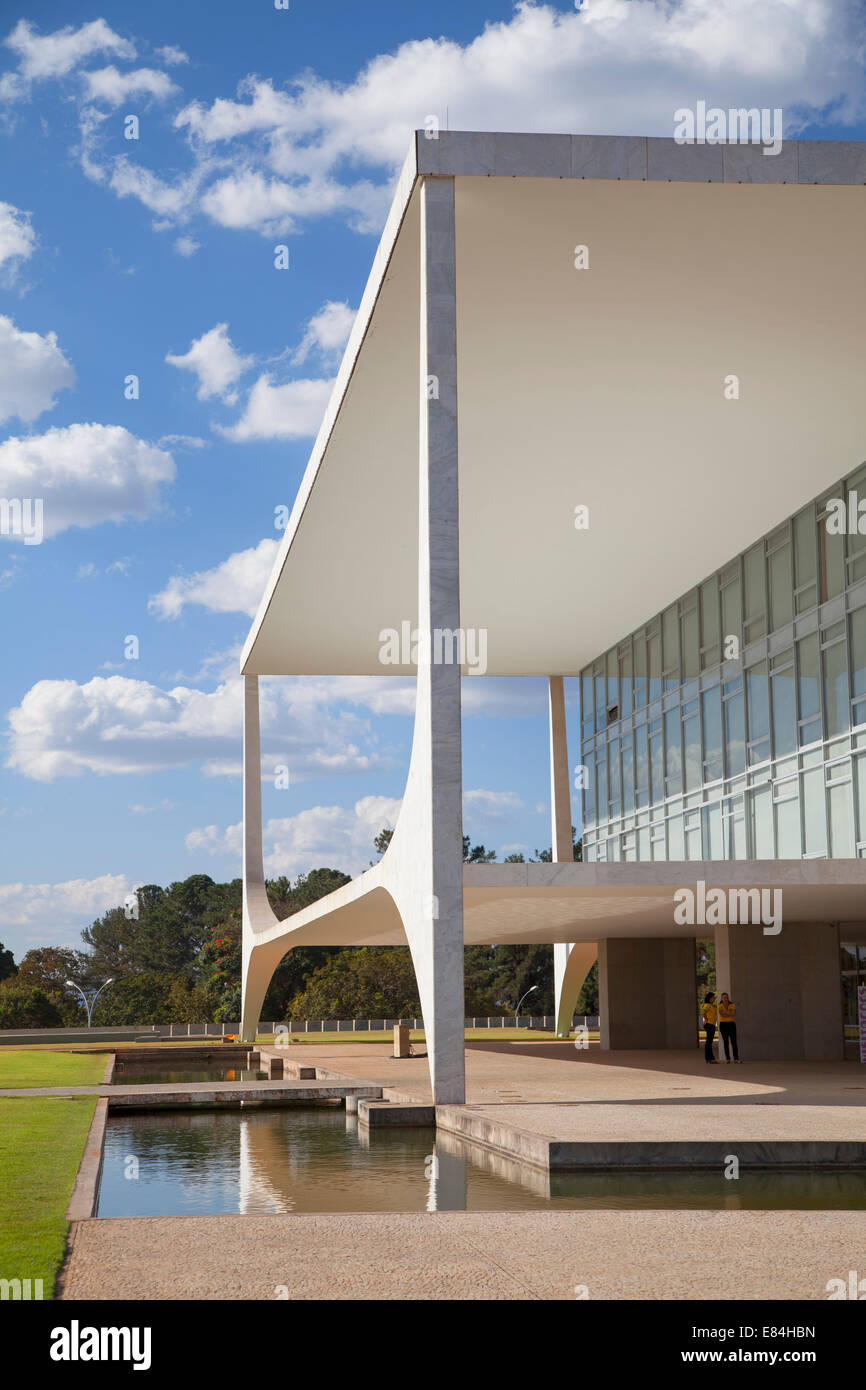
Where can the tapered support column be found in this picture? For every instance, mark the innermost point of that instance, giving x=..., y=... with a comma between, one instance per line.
x=258, y=965
x=571, y=965
x=426, y=852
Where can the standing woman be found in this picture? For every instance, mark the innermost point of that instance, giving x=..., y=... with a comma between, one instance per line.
x=728, y=1026
x=709, y=1014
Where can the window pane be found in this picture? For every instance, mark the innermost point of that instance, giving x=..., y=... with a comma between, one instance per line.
x=671, y=647
x=627, y=775
x=841, y=821
x=788, y=829
x=690, y=643
x=836, y=689
x=805, y=553
x=657, y=767
x=710, y=614
x=807, y=665
x=735, y=735
x=639, y=647
x=858, y=651
x=781, y=592
x=757, y=695
x=613, y=772
x=625, y=682
x=762, y=823
x=831, y=549
x=813, y=812
x=692, y=750
x=784, y=713
x=673, y=755
x=641, y=759
x=600, y=699
x=586, y=701
x=712, y=709
x=732, y=618
x=755, y=598
x=654, y=661
x=612, y=680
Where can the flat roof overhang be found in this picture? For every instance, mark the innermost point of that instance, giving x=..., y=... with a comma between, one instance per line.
x=601, y=387
x=534, y=904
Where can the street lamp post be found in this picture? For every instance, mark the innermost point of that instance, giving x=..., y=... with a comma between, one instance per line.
x=519, y=1002
x=89, y=1004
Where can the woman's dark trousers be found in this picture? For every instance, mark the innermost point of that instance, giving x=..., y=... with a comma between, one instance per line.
x=729, y=1034
x=710, y=1033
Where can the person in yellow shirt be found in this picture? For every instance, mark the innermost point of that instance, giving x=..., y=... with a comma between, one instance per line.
x=709, y=1016
x=728, y=1027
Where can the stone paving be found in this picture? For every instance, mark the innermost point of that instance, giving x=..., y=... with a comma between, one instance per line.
x=468, y=1255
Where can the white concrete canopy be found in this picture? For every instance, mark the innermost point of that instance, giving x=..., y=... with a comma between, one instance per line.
x=482, y=338
x=601, y=387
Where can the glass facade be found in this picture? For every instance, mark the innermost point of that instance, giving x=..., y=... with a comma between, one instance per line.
x=733, y=724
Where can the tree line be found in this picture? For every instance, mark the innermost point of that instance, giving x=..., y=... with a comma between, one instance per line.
x=179, y=961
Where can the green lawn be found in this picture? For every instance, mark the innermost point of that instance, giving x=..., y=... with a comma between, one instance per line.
x=24, y=1068
x=41, y=1143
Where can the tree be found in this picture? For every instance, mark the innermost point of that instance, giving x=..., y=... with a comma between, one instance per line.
x=361, y=982
x=134, y=1000
x=8, y=968
x=27, y=1006
x=49, y=967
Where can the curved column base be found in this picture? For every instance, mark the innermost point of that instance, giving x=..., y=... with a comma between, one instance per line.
x=571, y=965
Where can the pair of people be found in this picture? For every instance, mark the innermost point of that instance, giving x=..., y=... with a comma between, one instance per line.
x=727, y=1019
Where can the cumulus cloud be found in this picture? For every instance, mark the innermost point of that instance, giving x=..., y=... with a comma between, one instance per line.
x=32, y=370
x=291, y=411
x=215, y=364
x=320, y=836
x=119, y=725
x=17, y=239
x=112, y=87
x=492, y=805
x=25, y=904
x=273, y=159
x=86, y=474
x=43, y=56
x=186, y=246
x=233, y=586
x=326, y=332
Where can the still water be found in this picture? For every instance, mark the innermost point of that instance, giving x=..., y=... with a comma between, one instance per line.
x=135, y=1076
x=317, y=1158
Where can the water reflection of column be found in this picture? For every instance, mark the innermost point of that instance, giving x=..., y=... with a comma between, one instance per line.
x=447, y=1179
x=261, y=1170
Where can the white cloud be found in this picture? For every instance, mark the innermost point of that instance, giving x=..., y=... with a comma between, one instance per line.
x=32, y=369
x=216, y=364
x=86, y=474
x=119, y=725
x=492, y=805
x=233, y=586
x=291, y=411
x=113, y=87
x=326, y=332
x=171, y=55
x=32, y=904
x=17, y=239
x=186, y=246
x=322, y=836
x=58, y=53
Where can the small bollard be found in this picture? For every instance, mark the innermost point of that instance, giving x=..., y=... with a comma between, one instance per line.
x=401, y=1040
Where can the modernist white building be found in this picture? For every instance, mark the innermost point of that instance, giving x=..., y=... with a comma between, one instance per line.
x=586, y=372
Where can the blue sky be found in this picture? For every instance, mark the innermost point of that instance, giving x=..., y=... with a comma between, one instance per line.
x=155, y=258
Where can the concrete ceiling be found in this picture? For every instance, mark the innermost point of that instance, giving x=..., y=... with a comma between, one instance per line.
x=601, y=387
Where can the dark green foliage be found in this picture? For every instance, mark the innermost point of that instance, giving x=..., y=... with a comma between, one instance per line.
x=27, y=1006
